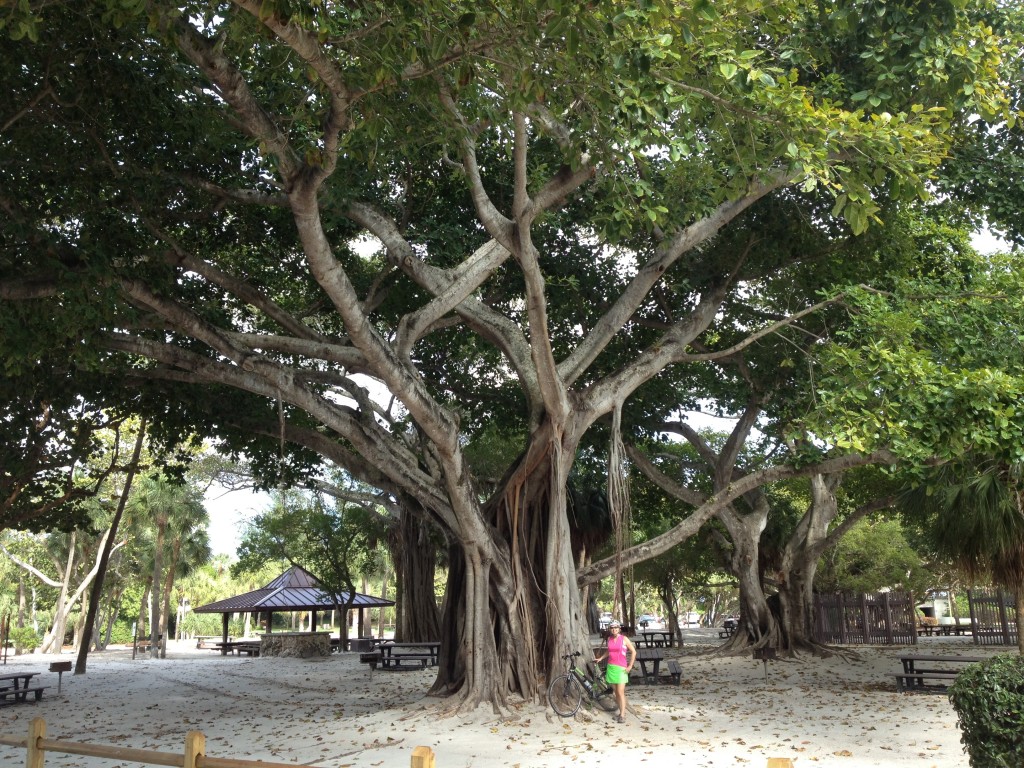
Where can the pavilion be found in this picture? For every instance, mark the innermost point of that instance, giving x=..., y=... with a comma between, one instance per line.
x=294, y=590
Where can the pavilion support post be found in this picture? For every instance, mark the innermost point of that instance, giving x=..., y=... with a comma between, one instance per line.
x=312, y=622
x=224, y=619
x=269, y=622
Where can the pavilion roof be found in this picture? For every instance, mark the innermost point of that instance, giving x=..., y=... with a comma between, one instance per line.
x=294, y=590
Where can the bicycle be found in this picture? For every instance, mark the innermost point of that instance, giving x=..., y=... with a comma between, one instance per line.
x=566, y=692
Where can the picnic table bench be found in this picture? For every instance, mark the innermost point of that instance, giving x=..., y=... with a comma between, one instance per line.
x=16, y=686
x=408, y=655
x=916, y=678
x=675, y=673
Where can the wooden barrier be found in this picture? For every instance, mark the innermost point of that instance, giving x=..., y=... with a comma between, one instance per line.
x=36, y=745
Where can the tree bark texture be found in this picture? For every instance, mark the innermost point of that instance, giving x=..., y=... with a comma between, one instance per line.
x=414, y=556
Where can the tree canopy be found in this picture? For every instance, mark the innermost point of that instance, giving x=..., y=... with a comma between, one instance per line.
x=258, y=216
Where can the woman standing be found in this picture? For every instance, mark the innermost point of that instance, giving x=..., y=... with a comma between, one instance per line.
x=621, y=655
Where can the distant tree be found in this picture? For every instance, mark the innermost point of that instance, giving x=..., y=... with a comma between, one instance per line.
x=974, y=512
x=310, y=531
x=176, y=514
x=874, y=555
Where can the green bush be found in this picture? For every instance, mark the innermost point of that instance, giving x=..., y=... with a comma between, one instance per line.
x=201, y=624
x=121, y=633
x=24, y=638
x=989, y=701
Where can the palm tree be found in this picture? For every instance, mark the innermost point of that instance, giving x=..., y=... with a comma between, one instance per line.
x=176, y=513
x=975, y=516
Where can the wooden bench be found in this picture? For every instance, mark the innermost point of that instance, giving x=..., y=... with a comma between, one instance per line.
x=372, y=658
x=914, y=678
x=726, y=632
x=396, y=660
x=915, y=681
x=20, y=695
x=675, y=672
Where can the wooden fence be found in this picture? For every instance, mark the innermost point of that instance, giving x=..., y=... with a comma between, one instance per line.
x=884, y=618
x=993, y=617
x=36, y=745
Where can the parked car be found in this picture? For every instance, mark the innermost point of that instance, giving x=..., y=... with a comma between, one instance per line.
x=646, y=620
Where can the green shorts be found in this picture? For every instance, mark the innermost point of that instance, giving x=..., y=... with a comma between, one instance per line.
x=615, y=675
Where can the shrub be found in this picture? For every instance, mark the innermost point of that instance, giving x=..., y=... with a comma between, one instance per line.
x=989, y=701
x=24, y=638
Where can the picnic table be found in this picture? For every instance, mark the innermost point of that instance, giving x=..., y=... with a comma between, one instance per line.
x=209, y=641
x=238, y=647
x=914, y=676
x=408, y=655
x=651, y=638
x=652, y=656
x=16, y=686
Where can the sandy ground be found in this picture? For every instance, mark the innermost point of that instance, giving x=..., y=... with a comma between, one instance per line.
x=333, y=713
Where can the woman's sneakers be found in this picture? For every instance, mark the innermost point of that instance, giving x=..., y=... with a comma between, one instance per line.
x=620, y=719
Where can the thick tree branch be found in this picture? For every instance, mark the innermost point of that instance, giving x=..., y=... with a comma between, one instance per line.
x=718, y=502
x=233, y=88
x=666, y=255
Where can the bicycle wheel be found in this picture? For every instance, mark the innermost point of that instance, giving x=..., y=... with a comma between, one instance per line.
x=605, y=696
x=564, y=696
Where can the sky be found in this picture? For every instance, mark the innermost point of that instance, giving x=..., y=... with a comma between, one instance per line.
x=229, y=511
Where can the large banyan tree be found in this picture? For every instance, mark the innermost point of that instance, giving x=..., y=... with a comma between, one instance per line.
x=399, y=224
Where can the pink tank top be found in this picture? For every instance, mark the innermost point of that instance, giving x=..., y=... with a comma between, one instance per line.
x=617, y=651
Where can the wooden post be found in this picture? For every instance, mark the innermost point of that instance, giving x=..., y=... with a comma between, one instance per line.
x=1004, y=621
x=195, y=747
x=780, y=762
x=422, y=757
x=887, y=605
x=34, y=756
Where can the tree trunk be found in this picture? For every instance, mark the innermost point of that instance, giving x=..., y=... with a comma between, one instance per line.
x=800, y=564
x=384, y=594
x=79, y=630
x=143, y=623
x=165, y=613
x=417, y=618
x=54, y=639
x=757, y=626
x=512, y=594
x=1019, y=598
x=668, y=597
x=112, y=612
x=155, y=603
x=108, y=545
x=22, y=601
